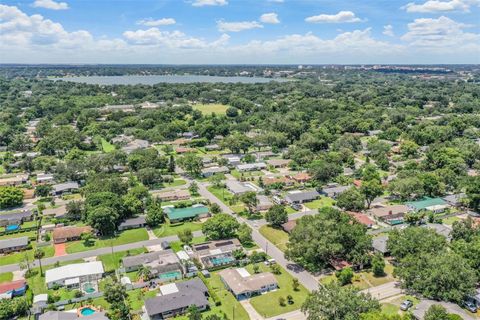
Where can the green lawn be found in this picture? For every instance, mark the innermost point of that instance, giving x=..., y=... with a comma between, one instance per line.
x=2, y=169
x=112, y=262
x=290, y=210
x=6, y=277
x=225, y=196
x=30, y=234
x=267, y=305
x=211, y=107
x=107, y=146
x=178, y=245
x=320, y=203
x=276, y=236
x=168, y=229
x=175, y=183
x=450, y=220
x=127, y=236
x=238, y=175
x=18, y=257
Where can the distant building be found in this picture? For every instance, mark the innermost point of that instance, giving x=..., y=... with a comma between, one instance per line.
x=379, y=244
x=69, y=233
x=455, y=200
x=136, y=144
x=133, y=223
x=175, y=299
x=279, y=163
x=237, y=188
x=13, y=180
x=335, y=191
x=67, y=187
x=435, y=205
x=13, y=244
x=13, y=289
x=362, y=219
x=289, y=225
x=17, y=218
x=298, y=196
x=174, y=195
x=58, y=212
x=208, y=172
x=251, y=166
x=45, y=178
x=243, y=285
x=392, y=214
x=264, y=203
x=301, y=177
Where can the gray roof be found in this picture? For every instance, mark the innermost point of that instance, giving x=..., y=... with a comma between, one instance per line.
x=16, y=215
x=191, y=292
x=13, y=242
x=335, y=190
x=302, y=196
x=440, y=229
x=58, y=315
x=454, y=198
x=133, y=221
x=164, y=257
x=380, y=243
x=65, y=186
x=237, y=187
x=215, y=170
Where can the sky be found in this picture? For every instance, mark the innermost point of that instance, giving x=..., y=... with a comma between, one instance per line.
x=240, y=31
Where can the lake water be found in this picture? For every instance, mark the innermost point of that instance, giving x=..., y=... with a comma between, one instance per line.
x=153, y=79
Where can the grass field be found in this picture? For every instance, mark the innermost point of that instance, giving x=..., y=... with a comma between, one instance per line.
x=20, y=256
x=177, y=245
x=225, y=196
x=175, y=183
x=320, y=203
x=127, y=236
x=267, y=305
x=276, y=236
x=168, y=229
x=6, y=277
x=238, y=175
x=450, y=220
x=113, y=261
x=211, y=108
x=107, y=146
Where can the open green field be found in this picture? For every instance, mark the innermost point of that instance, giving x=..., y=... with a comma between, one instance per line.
x=267, y=305
x=6, y=277
x=211, y=108
x=320, y=203
x=175, y=183
x=18, y=257
x=276, y=236
x=168, y=229
x=112, y=262
x=127, y=236
x=107, y=146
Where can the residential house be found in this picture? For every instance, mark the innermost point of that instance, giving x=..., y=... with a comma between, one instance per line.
x=210, y=171
x=13, y=180
x=174, y=195
x=301, y=177
x=243, y=285
x=455, y=200
x=181, y=150
x=163, y=264
x=299, y=196
x=65, y=315
x=435, y=205
x=58, y=212
x=379, y=244
x=133, y=223
x=218, y=253
x=212, y=147
x=181, y=214
x=62, y=188
x=334, y=191
x=43, y=178
x=13, y=289
x=392, y=214
x=362, y=219
x=69, y=233
x=13, y=244
x=279, y=163
x=136, y=144
x=175, y=299
x=251, y=166
x=72, y=275
x=264, y=203
x=268, y=181
x=233, y=159
x=440, y=229
x=16, y=218
x=237, y=188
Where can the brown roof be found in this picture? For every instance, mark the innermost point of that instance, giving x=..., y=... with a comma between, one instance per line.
x=174, y=194
x=278, y=162
x=239, y=284
x=381, y=212
x=70, y=232
x=302, y=176
x=272, y=180
x=289, y=225
x=361, y=218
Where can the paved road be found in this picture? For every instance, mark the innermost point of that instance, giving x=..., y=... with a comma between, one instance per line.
x=384, y=291
x=303, y=276
x=97, y=252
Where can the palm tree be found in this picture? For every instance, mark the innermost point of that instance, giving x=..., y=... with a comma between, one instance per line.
x=39, y=254
x=144, y=273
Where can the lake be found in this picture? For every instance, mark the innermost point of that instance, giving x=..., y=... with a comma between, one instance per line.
x=154, y=79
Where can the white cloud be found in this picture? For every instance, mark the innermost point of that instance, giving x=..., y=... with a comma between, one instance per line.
x=50, y=4
x=202, y=3
x=432, y=6
x=388, y=30
x=442, y=34
x=224, y=26
x=340, y=17
x=150, y=22
x=269, y=18
x=276, y=1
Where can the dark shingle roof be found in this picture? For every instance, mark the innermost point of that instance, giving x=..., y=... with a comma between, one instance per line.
x=13, y=242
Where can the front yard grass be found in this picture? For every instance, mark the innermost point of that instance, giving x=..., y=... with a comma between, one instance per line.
x=320, y=203
x=247, y=174
x=267, y=305
x=450, y=220
x=111, y=262
x=168, y=229
x=211, y=107
x=175, y=183
x=276, y=236
x=225, y=196
x=6, y=277
x=17, y=257
x=107, y=146
x=127, y=236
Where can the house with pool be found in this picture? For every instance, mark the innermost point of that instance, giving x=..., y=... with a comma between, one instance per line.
x=165, y=264
x=84, y=276
x=189, y=213
x=215, y=254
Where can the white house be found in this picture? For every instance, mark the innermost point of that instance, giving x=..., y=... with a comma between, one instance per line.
x=73, y=275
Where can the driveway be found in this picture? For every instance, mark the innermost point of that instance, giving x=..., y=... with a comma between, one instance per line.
x=60, y=249
x=252, y=313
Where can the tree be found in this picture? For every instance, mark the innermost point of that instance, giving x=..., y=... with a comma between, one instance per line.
x=144, y=273
x=103, y=219
x=345, y=276
x=39, y=254
x=464, y=229
x=43, y=190
x=10, y=197
x=116, y=294
x=406, y=188
x=334, y=302
x=351, y=200
x=295, y=284
x=436, y=312
x=413, y=241
x=331, y=234
x=276, y=215
x=75, y=210
x=149, y=176
x=215, y=208
x=244, y=234
x=378, y=265
x=12, y=308
x=473, y=193
x=155, y=215
x=231, y=112
x=194, y=313
x=250, y=200
x=220, y=226
x=409, y=149
x=191, y=163
x=193, y=188
x=185, y=236
x=371, y=189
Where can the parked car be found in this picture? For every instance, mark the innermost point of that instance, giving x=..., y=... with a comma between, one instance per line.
x=296, y=206
x=405, y=305
x=470, y=306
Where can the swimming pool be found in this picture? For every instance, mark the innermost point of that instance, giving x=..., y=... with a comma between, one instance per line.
x=88, y=287
x=87, y=311
x=12, y=227
x=170, y=275
x=218, y=261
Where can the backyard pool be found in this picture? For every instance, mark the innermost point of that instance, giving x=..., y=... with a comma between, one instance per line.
x=218, y=261
x=89, y=287
x=87, y=311
x=12, y=227
x=170, y=275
